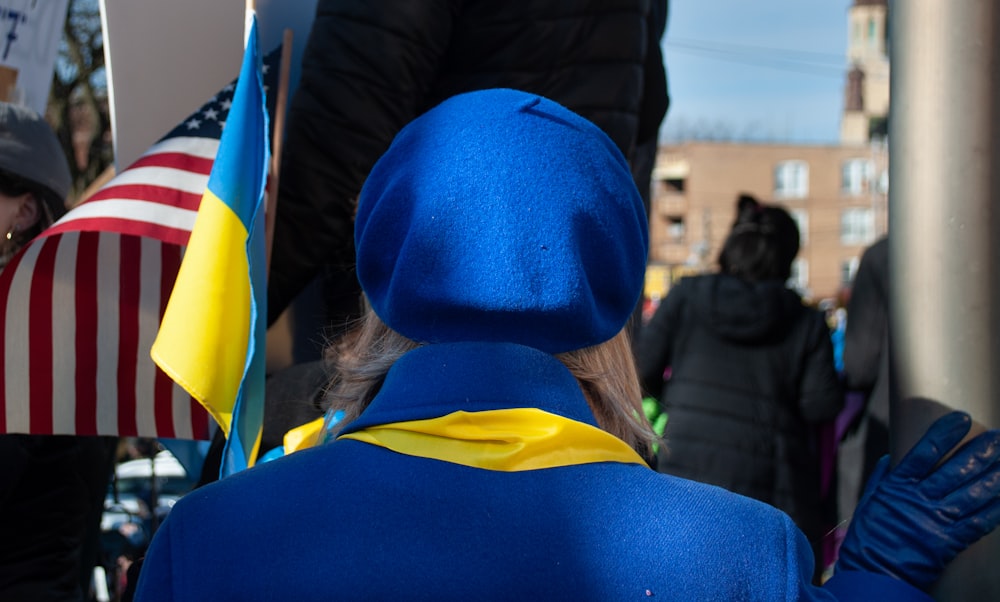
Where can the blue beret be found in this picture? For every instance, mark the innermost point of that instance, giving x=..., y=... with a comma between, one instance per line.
x=501, y=216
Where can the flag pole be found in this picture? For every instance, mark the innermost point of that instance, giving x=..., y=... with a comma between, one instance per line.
x=103, y=178
x=276, y=142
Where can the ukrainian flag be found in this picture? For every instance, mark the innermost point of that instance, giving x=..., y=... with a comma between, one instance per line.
x=211, y=340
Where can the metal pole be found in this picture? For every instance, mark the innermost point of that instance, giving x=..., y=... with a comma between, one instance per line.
x=943, y=255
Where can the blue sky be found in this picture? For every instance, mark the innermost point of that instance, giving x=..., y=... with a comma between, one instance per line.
x=768, y=70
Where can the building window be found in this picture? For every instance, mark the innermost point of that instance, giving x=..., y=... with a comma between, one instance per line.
x=857, y=226
x=675, y=228
x=847, y=270
x=799, y=280
x=791, y=180
x=801, y=217
x=856, y=176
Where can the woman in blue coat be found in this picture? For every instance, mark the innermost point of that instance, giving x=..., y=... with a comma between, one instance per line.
x=490, y=450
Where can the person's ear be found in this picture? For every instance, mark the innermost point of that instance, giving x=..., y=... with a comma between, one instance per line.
x=28, y=212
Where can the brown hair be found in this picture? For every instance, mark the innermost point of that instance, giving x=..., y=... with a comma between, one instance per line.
x=606, y=373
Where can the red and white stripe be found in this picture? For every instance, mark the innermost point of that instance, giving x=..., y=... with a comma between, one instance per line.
x=80, y=306
x=157, y=196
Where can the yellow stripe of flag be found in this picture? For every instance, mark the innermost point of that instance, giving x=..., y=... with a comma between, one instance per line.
x=211, y=339
x=202, y=342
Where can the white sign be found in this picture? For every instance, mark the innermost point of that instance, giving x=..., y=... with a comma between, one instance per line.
x=165, y=59
x=30, y=31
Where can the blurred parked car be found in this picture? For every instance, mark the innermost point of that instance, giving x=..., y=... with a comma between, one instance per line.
x=141, y=495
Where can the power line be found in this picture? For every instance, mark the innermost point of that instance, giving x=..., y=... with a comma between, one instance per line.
x=805, y=62
x=803, y=55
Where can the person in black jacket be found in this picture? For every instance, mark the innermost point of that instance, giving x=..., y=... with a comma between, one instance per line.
x=751, y=372
x=866, y=369
x=371, y=67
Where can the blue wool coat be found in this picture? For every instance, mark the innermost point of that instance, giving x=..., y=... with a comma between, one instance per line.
x=354, y=521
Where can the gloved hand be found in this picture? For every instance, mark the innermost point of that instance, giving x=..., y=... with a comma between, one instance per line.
x=914, y=519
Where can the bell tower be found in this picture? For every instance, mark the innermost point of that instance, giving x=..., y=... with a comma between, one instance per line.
x=866, y=91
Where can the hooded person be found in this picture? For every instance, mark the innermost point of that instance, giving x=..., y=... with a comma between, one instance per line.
x=52, y=487
x=489, y=448
x=751, y=373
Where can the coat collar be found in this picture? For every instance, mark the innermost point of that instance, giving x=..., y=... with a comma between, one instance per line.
x=435, y=380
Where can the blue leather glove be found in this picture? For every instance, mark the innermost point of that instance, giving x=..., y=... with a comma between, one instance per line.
x=914, y=519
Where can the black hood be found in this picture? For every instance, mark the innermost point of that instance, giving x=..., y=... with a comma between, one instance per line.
x=742, y=311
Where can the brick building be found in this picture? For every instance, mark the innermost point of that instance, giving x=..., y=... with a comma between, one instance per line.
x=837, y=194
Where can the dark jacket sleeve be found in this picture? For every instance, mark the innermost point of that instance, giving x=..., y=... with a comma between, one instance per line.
x=366, y=71
x=655, y=94
x=867, y=319
x=822, y=394
x=653, y=352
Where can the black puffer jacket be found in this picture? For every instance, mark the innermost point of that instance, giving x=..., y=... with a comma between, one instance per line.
x=370, y=67
x=751, y=374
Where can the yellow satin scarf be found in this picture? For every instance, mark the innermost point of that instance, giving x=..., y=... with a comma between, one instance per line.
x=506, y=440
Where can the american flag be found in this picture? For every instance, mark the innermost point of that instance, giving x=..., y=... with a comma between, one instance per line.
x=80, y=305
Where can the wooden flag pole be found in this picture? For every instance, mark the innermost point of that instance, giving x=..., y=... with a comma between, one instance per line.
x=276, y=141
x=103, y=178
